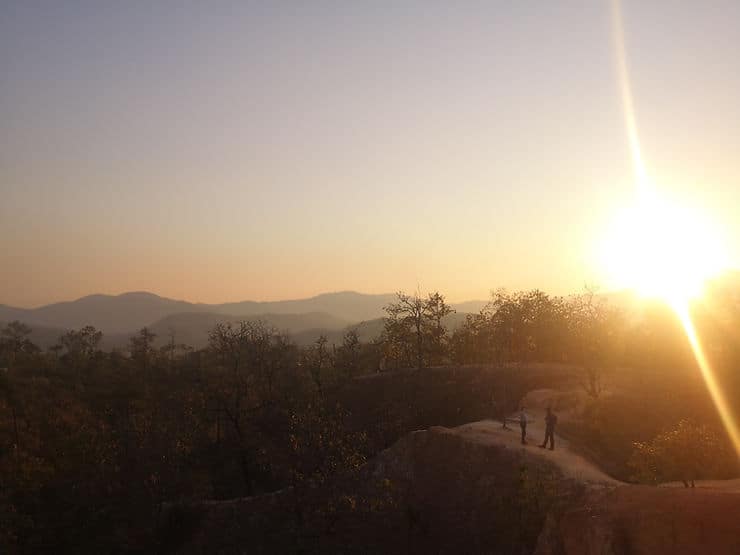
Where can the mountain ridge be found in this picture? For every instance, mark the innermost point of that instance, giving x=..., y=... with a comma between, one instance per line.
x=130, y=311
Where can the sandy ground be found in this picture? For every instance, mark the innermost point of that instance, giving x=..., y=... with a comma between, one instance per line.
x=726, y=486
x=572, y=465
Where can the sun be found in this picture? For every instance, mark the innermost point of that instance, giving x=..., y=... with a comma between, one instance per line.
x=662, y=249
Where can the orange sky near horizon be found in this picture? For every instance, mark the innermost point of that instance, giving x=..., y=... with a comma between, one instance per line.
x=223, y=153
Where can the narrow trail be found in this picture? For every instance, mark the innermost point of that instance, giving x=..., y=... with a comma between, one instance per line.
x=573, y=465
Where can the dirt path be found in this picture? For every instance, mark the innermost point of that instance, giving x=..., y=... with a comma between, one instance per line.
x=566, y=459
x=726, y=486
x=570, y=463
x=567, y=405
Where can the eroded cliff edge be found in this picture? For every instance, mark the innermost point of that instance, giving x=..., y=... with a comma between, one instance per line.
x=471, y=489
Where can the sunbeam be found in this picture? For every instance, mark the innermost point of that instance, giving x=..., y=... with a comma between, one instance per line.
x=718, y=397
x=626, y=91
x=661, y=257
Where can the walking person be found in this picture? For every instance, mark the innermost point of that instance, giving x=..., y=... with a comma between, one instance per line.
x=550, y=421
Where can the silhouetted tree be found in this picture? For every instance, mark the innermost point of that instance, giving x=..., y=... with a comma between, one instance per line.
x=348, y=355
x=518, y=327
x=82, y=343
x=14, y=342
x=414, y=325
x=141, y=347
x=594, y=333
x=317, y=360
x=436, y=310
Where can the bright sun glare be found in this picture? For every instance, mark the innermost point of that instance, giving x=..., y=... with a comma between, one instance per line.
x=663, y=250
x=659, y=248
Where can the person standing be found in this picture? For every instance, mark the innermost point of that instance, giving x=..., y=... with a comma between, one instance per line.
x=522, y=418
x=550, y=421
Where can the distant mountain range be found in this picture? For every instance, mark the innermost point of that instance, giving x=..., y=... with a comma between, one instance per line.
x=131, y=311
x=119, y=316
x=331, y=314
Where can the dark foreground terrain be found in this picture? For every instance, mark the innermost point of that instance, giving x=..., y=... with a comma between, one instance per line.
x=466, y=490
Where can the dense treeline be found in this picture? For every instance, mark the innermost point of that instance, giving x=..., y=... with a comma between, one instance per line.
x=93, y=443
x=582, y=330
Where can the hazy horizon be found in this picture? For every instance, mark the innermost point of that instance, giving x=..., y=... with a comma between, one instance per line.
x=229, y=301
x=403, y=276
x=272, y=151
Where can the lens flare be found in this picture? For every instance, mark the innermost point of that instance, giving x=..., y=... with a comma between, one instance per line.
x=653, y=250
x=626, y=90
x=715, y=391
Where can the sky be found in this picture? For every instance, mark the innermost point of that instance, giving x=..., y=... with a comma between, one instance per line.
x=224, y=151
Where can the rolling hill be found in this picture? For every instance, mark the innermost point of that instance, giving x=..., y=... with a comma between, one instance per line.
x=112, y=314
x=128, y=312
x=131, y=311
